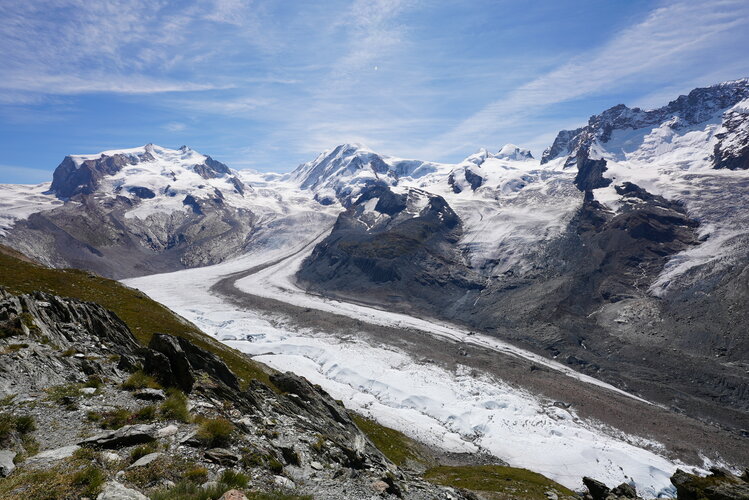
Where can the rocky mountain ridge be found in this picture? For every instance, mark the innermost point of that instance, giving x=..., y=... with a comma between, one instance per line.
x=606, y=289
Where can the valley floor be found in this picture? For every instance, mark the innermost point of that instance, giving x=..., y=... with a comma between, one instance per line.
x=440, y=384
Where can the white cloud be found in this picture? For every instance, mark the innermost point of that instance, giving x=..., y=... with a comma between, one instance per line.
x=666, y=39
x=118, y=46
x=175, y=127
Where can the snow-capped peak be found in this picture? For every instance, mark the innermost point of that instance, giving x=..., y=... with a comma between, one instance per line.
x=142, y=153
x=513, y=152
x=149, y=172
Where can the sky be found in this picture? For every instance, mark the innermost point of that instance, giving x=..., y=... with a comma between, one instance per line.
x=270, y=84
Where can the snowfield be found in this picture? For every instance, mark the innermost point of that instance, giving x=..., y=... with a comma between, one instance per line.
x=19, y=201
x=460, y=410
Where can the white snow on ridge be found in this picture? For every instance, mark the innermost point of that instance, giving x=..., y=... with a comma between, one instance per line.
x=676, y=163
x=18, y=201
x=457, y=411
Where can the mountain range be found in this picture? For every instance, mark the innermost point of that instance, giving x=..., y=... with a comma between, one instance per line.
x=621, y=253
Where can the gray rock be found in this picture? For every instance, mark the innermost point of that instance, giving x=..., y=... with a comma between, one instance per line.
x=316, y=465
x=625, y=490
x=221, y=456
x=168, y=431
x=88, y=391
x=284, y=482
x=144, y=460
x=597, y=489
x=53, y=455
x=150, y=395
x=110, y=457
x=175, y=361
x=6, y=462
x=720, y=485
x=209, y=485
x=233, y=495
x=116, y=491
x=128, y=435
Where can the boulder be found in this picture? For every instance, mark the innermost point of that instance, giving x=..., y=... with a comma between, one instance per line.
x=150, y=395
x=597, y=489
x=720, y=485
x=625, y=490
x=144, y=460
x=128, y=435
x=116, y=491
x=6, y=462
x=168, y=431
x=221, y=456
x=283, y=482
x=175, y=362
x=233, y=495
x=53, y=455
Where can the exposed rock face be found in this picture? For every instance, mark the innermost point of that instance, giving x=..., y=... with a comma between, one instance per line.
x=599, y=491
x=71, y=178
x=391, y=247
x=720, y=485
x=175, y=361
x=697, y=107
x=66, y=324
x=732, y=149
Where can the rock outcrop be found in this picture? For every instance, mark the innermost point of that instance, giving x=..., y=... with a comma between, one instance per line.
x=719, y=485
x=80, y=366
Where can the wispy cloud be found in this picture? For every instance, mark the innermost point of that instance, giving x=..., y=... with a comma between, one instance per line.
x=274, y=82
x=668, y=37
x=175, y=127
x=117, y=46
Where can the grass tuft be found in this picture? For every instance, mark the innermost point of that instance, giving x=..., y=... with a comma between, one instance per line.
x=215, y=432
x=139, y=380
x=174, y=406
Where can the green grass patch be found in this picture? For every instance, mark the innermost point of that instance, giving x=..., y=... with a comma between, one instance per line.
x=9, y=424
x=72, y=478
x=234, y=479
x=395, y=445
x=89, y=481
x=174, y=406
x=143, y=450
x=215, y=432
x=496, y=481
x=142, y=315
x=64, y=395
x=139, y=380
x=119, y=417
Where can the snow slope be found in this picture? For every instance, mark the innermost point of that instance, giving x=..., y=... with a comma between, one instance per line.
x=675, y=161
x=18, y=201
x=519, y=206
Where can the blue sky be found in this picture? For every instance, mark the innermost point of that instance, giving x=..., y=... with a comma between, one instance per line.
x=270, y=84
